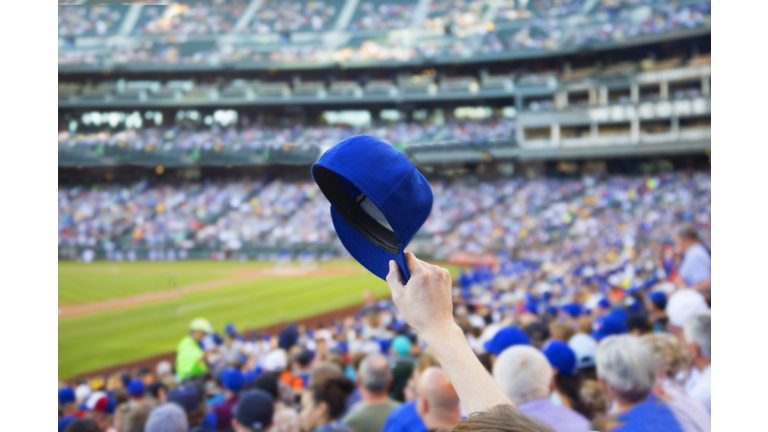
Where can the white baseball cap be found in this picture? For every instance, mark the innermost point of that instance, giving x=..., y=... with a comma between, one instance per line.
x=276, y=361
x=585, y=348
x=684, y=304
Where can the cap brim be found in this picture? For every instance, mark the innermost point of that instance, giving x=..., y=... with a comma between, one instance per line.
x=373, y=258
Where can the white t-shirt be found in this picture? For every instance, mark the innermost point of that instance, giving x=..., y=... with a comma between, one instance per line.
x=696, y=265
x=701, y=388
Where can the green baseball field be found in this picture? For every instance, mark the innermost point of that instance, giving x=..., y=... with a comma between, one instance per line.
x=116, y=313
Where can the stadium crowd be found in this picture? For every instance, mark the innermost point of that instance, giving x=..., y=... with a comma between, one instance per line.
x=545, y=25
x=257, y=137
x=598, y=320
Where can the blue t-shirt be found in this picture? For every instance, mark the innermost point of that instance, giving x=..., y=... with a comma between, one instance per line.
x=404, y=418
x=649, y=416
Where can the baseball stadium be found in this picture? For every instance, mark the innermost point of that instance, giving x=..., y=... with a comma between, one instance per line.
x=239, y=183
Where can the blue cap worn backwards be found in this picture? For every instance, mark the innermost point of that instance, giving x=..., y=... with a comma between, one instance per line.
x=378, y=200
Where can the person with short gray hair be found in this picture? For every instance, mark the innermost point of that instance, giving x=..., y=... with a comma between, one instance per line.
x=374, y=379
x=526, y=377
x=697, y=332
x=627, y=369
x=168, y=417
x=696, y=266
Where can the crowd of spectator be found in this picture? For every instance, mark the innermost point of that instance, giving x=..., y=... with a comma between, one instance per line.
x=544, y=27
x=569, y=340
x=292, y=16
x=374, y=15
x=260, y=137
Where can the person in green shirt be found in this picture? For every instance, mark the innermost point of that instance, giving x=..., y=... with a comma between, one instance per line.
x=190, y=359
x=374, y=380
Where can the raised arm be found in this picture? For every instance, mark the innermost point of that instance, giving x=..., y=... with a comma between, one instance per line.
x=426, y=305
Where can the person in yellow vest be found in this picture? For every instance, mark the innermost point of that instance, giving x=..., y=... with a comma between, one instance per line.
x=190, y=357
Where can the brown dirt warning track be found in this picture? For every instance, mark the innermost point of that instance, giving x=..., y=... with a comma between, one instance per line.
x=73, y=310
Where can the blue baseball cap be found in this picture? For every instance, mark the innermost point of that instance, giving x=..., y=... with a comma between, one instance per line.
x=254, y=409
x=65, y=421
x=229, y=329
x=608, y=325
x=66, y=396
x=572, y=309
x=379, y=200
x=232, y=379
x=505, y=338
x=604, y=303
x=401, y=345
x=136, y=387
x=659, y=299
x=561, y=357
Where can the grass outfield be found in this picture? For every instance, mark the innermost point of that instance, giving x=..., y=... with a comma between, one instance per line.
x=103, y=339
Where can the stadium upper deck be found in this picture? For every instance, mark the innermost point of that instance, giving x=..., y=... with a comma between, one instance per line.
x=263, y=34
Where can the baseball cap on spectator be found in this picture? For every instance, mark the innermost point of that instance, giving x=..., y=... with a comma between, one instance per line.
x=82, y=392
x=684, y=304
x=638, y=322
x=288, y=337
x=99, y=401
x=585, y=347
x=659, y=299
x=229, y=329
x=66, y=396
x=401, y=345
x=276, y=361
x=538, y=332
x=305, y=357
x=608, y=325
x=604, y=303
x=572, y=309
x=254, y=410
x=136, y=387
x=163, y=368
x=505, y=338
x=267, y=383
x=232, y=379
x=561, y=357
x=186, y=397
x=201, y=324
x=379, y=200
x=168, y=417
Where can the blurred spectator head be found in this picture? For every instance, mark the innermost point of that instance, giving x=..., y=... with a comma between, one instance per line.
x=163, y=369
x=232, y=380
x=584, y=346
x=325, y=401
x=304, y=359
x=67, y=400
x=276, y=361
x=523, y=373
x=657, y=301
x=82, y=392
x=168, y=417
x=375, y=376
x=199, y=327
x=638, y=325
x=136, y=388
x=324, y=371
x=608, y=325
x=268, y=384
x=438, y=402
x=685, y=236
x=83, y=425
x=158, y=391
x=626, y=368
x=100, y=407
x=560, y=331
x=594, y=398
x=254, y=412
x=683, y=304
x=698, y=337
x=188, y=397
x=501, y=418
x=669, y=353
x=538, y=332
x=401, y=346
x=505, y=338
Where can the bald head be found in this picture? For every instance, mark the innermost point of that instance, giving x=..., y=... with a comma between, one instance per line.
x=375, y=375
x=438, y=403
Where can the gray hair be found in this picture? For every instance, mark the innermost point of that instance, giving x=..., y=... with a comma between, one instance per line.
x=687, y=231
x=628, y=367
x=375, y=374
x=698, y=330
x=523, y=373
